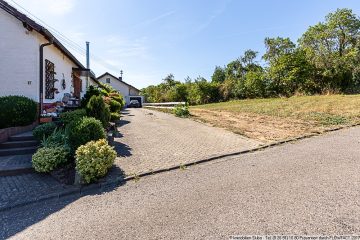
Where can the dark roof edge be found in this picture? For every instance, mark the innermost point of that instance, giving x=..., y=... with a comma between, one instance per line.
x=30, y=24
x=107, y=73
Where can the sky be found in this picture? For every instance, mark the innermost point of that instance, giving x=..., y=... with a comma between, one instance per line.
x=148, y=39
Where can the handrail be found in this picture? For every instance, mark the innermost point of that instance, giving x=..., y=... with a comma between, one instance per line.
x=164, y=104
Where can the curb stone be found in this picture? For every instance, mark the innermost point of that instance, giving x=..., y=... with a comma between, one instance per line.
x=86, y=189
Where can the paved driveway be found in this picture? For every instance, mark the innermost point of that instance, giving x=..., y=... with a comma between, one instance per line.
x=152, y=140
x=311, y=187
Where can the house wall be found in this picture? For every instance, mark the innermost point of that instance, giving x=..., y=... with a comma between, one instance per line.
x=19, y=61
x=123, y=88
x=63, y=69
x=92, y=82
x=115, y=83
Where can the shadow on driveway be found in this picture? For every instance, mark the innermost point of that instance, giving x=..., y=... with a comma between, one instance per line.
x=18, y=219
x=122, y=149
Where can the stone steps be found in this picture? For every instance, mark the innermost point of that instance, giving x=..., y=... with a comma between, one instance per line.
x=15, y=165
x=16, y=154
x=21, y=138
x=18, y=144
x=18, y=151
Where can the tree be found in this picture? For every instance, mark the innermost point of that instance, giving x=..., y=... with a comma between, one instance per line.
x=288, y=68
x=169, y=80
x=332, y=48
x=255, y=84
x=248, y=60
x=219, y=75
x=234, y=70
x=277, y=47
x=179, y=93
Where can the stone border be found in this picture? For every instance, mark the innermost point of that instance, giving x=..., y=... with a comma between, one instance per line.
x=5, y=133
x=97, y=187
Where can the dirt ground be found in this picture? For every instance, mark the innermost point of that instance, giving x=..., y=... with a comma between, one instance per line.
x=260, y=127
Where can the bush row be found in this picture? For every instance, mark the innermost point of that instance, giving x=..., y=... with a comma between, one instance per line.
x=81, y=138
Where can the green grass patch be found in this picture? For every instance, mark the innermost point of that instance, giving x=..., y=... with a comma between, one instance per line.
x=325, y=110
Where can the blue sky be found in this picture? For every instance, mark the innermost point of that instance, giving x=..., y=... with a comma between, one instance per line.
x=150, y=38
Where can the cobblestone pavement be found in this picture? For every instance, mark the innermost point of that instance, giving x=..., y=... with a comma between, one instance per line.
x=17, y=189
x=15, y=160
x=151, y=140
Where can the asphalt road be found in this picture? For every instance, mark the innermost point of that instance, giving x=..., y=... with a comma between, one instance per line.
x=309, y=187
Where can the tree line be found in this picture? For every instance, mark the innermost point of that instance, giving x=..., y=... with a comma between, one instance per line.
x=326, y=59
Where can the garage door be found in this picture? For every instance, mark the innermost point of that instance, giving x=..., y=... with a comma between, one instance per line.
x=137, y=98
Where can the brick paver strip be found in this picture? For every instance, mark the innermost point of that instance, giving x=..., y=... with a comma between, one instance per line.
x=152, y=140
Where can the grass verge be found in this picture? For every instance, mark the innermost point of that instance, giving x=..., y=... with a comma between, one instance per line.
x=277, y=119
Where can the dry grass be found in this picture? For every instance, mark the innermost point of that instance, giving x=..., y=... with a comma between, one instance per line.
x=276, y=119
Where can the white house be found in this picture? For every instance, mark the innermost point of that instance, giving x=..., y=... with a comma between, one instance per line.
x=33, y=63
x=128, y=91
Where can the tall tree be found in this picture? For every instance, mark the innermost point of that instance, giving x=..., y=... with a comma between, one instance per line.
x=277, y=47
x=169, y=80
x=248, y=59
x=219, y=75
x=331, y=47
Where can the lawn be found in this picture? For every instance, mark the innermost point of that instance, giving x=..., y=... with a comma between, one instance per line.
x=275, y=119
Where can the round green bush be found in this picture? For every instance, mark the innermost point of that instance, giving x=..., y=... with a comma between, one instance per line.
x=115, y=106
x=72, y=116
x=17, y=111
x=47, y=159
x=181, y=111
x=94, y=159
x=115, y=117
x=98, y=109
x=44, y=130
x=83, y=131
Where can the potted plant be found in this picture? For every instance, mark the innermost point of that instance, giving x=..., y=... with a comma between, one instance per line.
x=45, y=118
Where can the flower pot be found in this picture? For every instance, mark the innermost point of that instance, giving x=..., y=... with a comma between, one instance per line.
x=45, y=119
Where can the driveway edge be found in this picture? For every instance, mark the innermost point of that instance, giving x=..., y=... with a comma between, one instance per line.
x=98, y=187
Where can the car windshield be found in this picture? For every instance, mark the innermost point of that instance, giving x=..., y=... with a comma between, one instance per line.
x=134, y=101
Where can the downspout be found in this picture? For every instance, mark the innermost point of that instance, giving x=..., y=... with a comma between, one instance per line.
x=41, y=95
x=87, y=63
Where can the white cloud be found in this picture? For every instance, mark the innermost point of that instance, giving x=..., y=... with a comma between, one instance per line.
x=218, y=11
x=120, y=47
x=45, y=7
x=154, y=19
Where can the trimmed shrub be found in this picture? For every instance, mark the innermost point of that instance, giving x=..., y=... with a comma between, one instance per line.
x=44, y=130
x=17, y=111
x=47, y=159
x=91, y=91
x=119, y=98
x=94, y=159
x=73, y=116
x=98, y=109
x=115, y=106
x=181, y=111
x=115, y=116
x=84, y=131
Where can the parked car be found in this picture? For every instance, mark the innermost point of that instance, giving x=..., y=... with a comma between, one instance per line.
x=134, y=104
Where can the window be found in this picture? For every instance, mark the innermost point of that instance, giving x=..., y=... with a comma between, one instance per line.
x=49, y=80
x=108, y=80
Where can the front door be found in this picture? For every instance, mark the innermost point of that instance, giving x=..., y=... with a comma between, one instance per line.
x=77, y=86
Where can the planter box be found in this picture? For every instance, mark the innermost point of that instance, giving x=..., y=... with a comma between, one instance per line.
x=45, y=119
